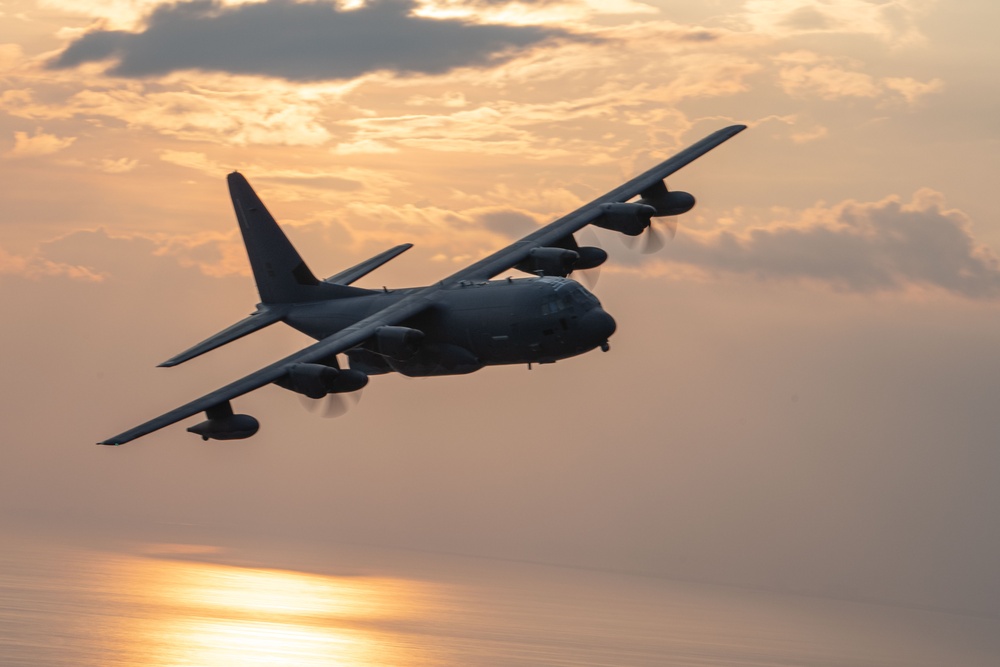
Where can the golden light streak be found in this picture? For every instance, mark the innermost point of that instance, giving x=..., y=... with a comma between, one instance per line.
x=119, y=14
x=528, y=13
x=215, y=615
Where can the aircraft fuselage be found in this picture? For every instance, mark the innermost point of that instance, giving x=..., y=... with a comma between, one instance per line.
x=472, y=325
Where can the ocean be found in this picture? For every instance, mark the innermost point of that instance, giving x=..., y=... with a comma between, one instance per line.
x=213, y=603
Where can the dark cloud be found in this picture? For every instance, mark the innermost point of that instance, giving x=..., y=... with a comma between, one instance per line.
x=300, y=41
x=867, y=247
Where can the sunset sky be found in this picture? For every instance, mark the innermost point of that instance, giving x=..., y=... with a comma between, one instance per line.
x=803, y=391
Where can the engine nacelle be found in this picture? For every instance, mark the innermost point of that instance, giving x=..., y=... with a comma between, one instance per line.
x=399, y=343
x=666, y=202
x=590, y=258
x=317, y=380
x=348, y=380
x=549, y=262
x=228, y=427
x=629, y=219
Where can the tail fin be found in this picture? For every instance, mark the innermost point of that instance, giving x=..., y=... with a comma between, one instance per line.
x=281, y=274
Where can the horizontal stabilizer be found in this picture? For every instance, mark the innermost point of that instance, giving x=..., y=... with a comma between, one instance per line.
x=348, y=276
x=255, y=322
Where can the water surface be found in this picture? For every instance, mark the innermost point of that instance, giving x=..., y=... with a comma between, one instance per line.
x=214, y=605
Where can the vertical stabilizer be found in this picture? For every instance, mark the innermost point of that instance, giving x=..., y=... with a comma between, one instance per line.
x=281, y=274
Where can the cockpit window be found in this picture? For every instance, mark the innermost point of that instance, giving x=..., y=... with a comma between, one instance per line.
x=567, y=293
x=582, y=297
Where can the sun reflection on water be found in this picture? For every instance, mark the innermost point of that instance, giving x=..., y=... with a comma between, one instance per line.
x=214, y=615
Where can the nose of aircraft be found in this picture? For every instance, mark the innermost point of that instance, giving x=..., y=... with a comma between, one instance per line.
x=597, y=326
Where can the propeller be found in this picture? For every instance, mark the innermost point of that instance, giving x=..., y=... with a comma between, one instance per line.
x=589, y=277
x=652, y=240
x=331, y=405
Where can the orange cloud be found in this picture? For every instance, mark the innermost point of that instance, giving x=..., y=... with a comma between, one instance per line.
x=894, y=22
x=808, y=74
x=35, y=267
x=38, y=144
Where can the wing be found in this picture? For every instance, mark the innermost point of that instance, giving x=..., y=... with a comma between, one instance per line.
x=339, y=342
x=506, y=258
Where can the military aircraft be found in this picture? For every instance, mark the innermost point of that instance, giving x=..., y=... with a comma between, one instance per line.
x=455, y=326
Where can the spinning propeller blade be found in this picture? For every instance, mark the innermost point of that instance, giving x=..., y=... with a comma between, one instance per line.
x=652, y=240
x=331, y=405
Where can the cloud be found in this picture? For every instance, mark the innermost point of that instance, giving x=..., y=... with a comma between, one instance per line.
x=805, y=74
x=99, y=255
x=10, y=56
x=119, y=166
x=300, y=41
x=34, y=266
x=551, y=128
x=506, y=222
x=484, y=129
x=364, y=147
x=892, y=21
x=40, y=143
x=811, y=134
x=911, y=89
x=826, y=80
x=860, y=247
x=241, y=112
x=192, y=160
x=451, y=99
x=528, y=12
x=116, y=14
x=346, y=180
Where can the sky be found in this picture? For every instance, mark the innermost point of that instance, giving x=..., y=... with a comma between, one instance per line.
x=802, y=391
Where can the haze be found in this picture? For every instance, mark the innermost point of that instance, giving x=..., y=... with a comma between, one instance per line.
x=802, y=392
